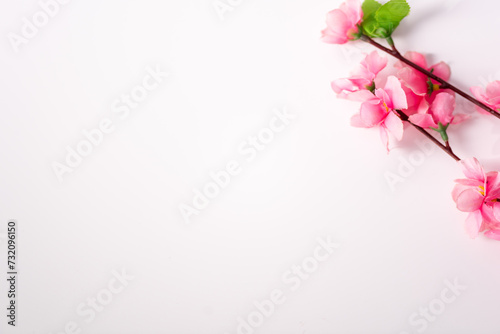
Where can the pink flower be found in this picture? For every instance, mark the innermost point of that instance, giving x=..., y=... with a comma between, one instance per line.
x=428, y=105
x=342, y=24
x=379, y=110
x=479, y=195
x=490, y=96
x=417, y=81
x=363, y=77
x=439, y=111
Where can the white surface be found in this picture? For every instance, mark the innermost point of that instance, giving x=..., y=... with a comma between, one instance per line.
x=318, y=178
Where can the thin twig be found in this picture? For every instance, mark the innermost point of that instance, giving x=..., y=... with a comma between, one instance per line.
x=444, y=84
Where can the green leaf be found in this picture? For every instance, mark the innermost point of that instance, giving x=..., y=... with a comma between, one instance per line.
x=369, y=8
x=390, y=14
x=369, y=24
x=370, y=27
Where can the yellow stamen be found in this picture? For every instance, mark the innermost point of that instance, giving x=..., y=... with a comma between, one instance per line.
x=386, y=107
x=435, y=87
x=482, y=190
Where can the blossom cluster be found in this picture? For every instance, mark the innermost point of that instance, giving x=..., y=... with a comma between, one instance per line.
x=415, y=93
x=407, y=92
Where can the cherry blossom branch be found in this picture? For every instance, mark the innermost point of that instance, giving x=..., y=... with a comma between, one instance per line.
x=444, y=84
x=446, y=148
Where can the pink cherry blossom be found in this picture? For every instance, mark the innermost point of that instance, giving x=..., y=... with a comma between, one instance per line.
x=417, y=81
x=424, y=109
x=363, y=77
x=343, y=23
x=416, y=84
x=379, y=110
x=439, y=111
x=489, y=96
x=478, y=194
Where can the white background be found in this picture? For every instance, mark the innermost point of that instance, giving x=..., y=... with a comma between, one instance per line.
x=319, y=177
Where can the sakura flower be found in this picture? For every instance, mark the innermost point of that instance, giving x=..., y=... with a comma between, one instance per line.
x=379, y=109
x=363, y=78
x=479, y=195
x=428, y=104
x=439, y=112
x=489, y=96
x=418, y=82
x=343, y=23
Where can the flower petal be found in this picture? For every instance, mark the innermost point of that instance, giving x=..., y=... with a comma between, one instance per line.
x=441, y=70
x=357, y=122
x=414, y=80
x=493, y=89
x=414, y=101
x=487, y=212
x=340, y=85
x=443, y=107
x=394, y=125
x=457, y=190
x=384, y=137
x=396, y=94
x=473, y=169
x=493, y=185
x=338, y=24
x=469, y=200
x=469, y=182
x=327, y=36
x=480, y=94
x=460, y=118
x=416, y=58
x=374, y=63
x=372, y=114
x=352, y=9
x=473, y=223
x=423, y=107
x=362, y=80
x=361, y=96
x=423, y=120
x=496, y=210
x=493, y=234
